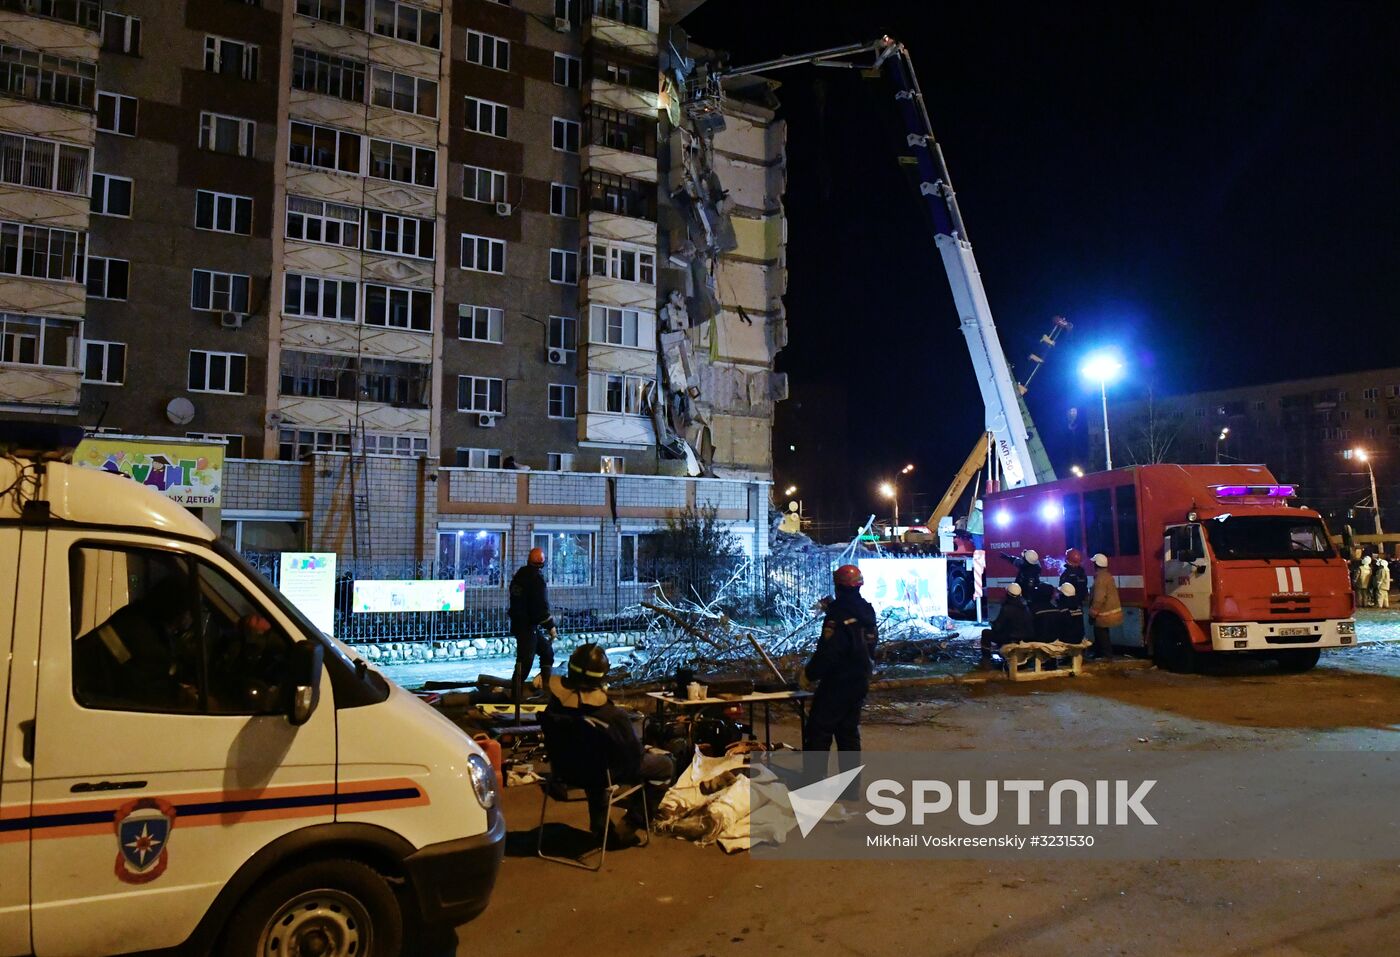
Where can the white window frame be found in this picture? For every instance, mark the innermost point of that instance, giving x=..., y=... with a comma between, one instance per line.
x=102, y=266
x=349, y=229
x=560, y=196
x=559, y=461
x=121, y=106
x=481, y=458
x=563, y=267
x=497, y=117
x=572, y=71
x=17, y=329
x=107, y=373
x=311, y=290
x=396, y=10
x=130, y=41
x=632, y=389
x=425, y=92
x=209, y=364
x=26, y=239
x=327, y=74
x=621, y=326
x=567, y=331
x=480, y=389
x=231, y=283
x=230, y=204
x=106, y=180
x=612, y=464
x=618, y=259
x=494, y=180
x=402, y=446
x=406, y=301
x=563, y=397
x=409, y=230
x=394, y=146
x=79, y=174
x=488, y=50
x=563, y=132
x=340, y=151
x=209, y=127
x=473, y=319
x=491, y=246
x=215, y=54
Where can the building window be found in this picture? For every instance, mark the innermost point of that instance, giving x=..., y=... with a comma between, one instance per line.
x=390, y=381
x=1259, y=405
x=563, y=333
x=226, y=134
x=563, y=266
x=1370, y=413
x=473, y=555
x=404, y=385
x=315, y=221
x=116, y=114
x=620, y=130
x=219, y=291
x=563, y=401
x=294, y=444
x=637, y=556
x=479, y=458
x=485, y=50
x=397, y=307
x=404, y=92
x=1370, y=394
x=44, y=164
x=613, y=392
x=482, y=254
x=403, y=163
x=566, y=133
x=567, y=10
x=399, y=235
x=232, y=442
x=627, y=263
x=45, y=78
x=480, y=394
x=482, y=185
x=404, y=21
x=620, y=195
x=480, y=323
x=318, y=297
x=559, y=461
x=612, y=464
x=121, y=34
x=568, y=71
x=405, y=446
x=563, y=200
x=39, y=340
x=349, y=13
x=483, y=116
x=231, y=57
x=41, y=252
x=1344, y=414
x=107, y=278
x=323, y=147
x=223, y=212
x=568, y=557
x=111, y=195
x=337, y=76
x=104, y=362
x=225, y=372
x=634, y=74
x=631, y=12
x=617, y=326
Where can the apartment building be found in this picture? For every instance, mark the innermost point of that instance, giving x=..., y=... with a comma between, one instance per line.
x=389, y=254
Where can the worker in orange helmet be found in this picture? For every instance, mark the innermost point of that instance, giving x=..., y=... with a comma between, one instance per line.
x=531, y=623
x=1074, y=574
x=840, y=668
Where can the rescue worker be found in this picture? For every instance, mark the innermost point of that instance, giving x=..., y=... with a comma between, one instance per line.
x=531, y=623
x=840, y=668
x=582, y=691
x=1052, y=617
x=1106, y=609
x=1027, y=570
x=1075, y=574
x=1381, y=577
x=1012, y=624
x=1362, y=586
x=1071, y=601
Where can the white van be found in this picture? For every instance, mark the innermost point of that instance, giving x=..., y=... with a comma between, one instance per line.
x=189, y=764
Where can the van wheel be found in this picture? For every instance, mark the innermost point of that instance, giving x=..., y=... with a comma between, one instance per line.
x=1297, y=660
x=333, y=908
x=1171, y=647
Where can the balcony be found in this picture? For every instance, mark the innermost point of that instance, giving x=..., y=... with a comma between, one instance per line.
x=44, y=78
x=620, y=195
x=84, y=13
x=633, y=13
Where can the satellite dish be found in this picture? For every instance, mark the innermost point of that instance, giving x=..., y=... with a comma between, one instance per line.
x=179, y=410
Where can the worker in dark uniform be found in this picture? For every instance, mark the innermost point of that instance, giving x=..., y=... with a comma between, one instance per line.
x=1070, y=601
x=1051, y=617
x=531, y=622
x=840, y=668
x=1074, y=574
x=1027, y=570
x=1012, y=624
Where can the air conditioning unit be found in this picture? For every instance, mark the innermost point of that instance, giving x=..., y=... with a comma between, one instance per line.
x=487, y=420
x=504, y=209
x=562, y=24
x=557, y=357
x=232, y=320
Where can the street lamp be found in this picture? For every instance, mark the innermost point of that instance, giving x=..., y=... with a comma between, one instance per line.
x=1103, y=367
x=1224, y=433
x=1362, y=455
x=888, y=490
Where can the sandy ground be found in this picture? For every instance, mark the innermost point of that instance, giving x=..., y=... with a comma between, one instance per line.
x=677, y=899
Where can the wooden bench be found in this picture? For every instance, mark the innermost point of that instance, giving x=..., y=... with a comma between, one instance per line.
x=1036, y=654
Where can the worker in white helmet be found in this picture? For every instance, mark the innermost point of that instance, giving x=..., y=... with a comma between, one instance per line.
x=1106, y=608
x=1027, y=571
x=1382, y=583
x=1012, y=623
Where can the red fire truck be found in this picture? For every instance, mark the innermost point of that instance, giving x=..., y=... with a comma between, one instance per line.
x=1207, y=558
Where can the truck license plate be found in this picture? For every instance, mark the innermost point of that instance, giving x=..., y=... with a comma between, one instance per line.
x=1295, y=631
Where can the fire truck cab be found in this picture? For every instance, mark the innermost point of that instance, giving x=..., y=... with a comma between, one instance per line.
x=1207, y=559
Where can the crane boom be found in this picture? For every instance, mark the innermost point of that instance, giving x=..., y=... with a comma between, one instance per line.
x=1019, y=452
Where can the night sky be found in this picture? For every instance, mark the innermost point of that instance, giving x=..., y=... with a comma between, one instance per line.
x=1210, y=188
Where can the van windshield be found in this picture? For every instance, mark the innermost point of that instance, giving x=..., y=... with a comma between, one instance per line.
x=1267, y=536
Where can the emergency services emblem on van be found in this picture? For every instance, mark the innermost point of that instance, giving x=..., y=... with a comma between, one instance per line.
x=143, y=839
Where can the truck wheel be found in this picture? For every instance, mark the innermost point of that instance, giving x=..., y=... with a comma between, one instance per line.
x=335, y=908
x=959, y=594
x=1171, y=647
x=1297, y=660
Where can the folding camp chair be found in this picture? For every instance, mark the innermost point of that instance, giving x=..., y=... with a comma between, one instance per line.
x=578, y=763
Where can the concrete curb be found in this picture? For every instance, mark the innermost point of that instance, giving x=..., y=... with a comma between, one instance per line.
x=998, y=677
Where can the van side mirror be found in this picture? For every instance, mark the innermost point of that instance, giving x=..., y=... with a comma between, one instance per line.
x=308, y=660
